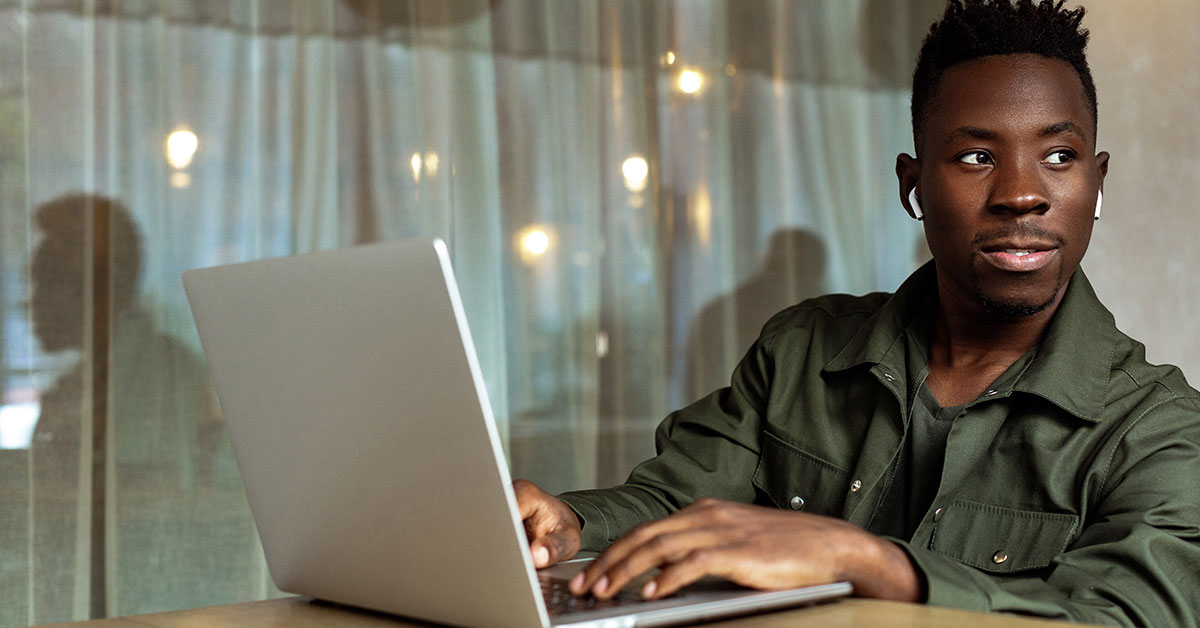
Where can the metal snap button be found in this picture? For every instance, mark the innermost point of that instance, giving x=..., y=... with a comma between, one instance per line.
x=990, y=393
x=854, y=486
x=797, y=503
x=937, y=514
x=999, y=557
x=888, y=377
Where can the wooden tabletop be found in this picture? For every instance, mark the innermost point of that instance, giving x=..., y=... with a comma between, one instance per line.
x=297, y=612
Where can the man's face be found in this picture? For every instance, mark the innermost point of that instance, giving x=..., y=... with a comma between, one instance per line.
x=1008, y=178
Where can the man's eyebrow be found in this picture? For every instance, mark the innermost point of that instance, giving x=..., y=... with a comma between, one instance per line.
x=1066, y=126
x=970, y=132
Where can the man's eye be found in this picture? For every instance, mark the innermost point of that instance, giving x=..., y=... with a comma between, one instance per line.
x=976, y=158
x=1060, y=157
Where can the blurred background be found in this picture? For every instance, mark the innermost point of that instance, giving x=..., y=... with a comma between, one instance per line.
x=628, y=190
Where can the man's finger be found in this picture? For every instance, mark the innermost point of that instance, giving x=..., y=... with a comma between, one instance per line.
x=555, y=547
x=654, y=552
x=695, y=565
x=543, y=553
x=657, y=552
x=538, y=510
x=700, y=514
x=550, y=525
x=586, y=580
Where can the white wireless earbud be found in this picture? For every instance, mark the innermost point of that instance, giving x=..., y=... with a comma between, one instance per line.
x=1099, y=202
x=916, y=212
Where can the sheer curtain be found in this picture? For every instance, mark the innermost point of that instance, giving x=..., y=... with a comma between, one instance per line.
x=628, y=189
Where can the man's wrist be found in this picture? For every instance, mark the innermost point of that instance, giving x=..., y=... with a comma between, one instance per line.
x=878, y=568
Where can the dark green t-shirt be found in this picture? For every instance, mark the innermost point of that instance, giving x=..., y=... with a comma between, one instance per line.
x=909, y=495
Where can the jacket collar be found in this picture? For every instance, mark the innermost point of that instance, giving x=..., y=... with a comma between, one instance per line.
x=1072, y=366
x=1075, y=362
x=880, y=333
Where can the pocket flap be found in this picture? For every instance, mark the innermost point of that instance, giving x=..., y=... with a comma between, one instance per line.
x=1001, y=540
x=786, y=473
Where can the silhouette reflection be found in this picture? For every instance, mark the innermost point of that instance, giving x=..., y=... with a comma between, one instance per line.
x=172, y=517
x=794, y=270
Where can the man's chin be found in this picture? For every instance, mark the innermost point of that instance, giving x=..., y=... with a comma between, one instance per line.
x=1016, y=297
x=1014, y=308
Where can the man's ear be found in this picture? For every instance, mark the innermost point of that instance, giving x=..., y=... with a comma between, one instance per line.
x=1102, y=164
x=908, y=172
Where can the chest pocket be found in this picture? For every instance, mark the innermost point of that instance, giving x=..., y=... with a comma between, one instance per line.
x=1001, y=540
x=792, y=479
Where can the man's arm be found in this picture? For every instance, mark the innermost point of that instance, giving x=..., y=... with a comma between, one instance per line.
x=1137, y=561
x=754, y=546
x=707, y=450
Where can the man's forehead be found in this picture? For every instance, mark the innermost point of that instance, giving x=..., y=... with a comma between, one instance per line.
x=1025, y=92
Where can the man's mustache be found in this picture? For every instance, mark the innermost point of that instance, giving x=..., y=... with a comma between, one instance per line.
x=1021, y=231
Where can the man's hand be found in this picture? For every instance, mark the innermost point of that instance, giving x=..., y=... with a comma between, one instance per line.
x=753, y=546
x=550, y=525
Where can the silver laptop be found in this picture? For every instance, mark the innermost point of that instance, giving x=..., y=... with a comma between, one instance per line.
x=371, y=460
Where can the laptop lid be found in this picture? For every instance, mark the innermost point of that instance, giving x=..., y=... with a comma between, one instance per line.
x=362, y=429
x=355, y=405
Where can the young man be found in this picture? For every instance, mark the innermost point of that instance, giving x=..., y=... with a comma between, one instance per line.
x=983, y=438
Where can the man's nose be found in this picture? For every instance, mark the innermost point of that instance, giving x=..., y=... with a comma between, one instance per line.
x=1019, y=189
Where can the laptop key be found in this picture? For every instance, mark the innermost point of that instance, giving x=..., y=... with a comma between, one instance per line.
x=560, y=600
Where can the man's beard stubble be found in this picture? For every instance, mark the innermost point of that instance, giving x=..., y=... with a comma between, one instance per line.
x=1012, y=310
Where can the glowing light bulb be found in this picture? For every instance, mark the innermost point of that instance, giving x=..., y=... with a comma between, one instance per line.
x=636, y=171
x=670, y=57
x=690, y=81
x=534, y=241
x=181, y=147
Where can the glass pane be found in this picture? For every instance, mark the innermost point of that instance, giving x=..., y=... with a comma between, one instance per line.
x=628, y=189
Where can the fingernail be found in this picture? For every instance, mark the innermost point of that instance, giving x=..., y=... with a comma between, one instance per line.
x=601, y=585
x=577, y=582
x=649, y=589
x=541, y=556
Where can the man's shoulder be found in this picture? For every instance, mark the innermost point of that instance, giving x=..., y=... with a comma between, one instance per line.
x=1089, y=367
x=1133, y=375
x=836, y=317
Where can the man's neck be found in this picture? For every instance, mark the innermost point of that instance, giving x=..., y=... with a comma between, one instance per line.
x=968, y=350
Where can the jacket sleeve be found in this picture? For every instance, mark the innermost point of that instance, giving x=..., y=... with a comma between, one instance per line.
x=707, y=449
x=1137, y=559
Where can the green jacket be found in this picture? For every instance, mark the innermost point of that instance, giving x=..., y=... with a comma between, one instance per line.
x=1070, y=489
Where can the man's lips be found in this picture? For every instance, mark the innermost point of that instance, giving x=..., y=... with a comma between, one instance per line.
x=1020, y=257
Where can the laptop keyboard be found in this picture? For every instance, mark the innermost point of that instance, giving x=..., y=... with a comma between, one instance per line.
x=560, y=600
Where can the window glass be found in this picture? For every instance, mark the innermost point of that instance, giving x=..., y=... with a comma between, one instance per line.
x=628, y=190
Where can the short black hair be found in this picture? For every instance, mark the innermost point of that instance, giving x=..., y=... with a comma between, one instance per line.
x=971, y=29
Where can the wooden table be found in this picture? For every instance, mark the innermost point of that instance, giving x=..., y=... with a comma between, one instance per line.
x=297, y=612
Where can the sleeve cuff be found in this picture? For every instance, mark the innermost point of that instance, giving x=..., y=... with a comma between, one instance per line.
x=946, y=582
x=594, y=530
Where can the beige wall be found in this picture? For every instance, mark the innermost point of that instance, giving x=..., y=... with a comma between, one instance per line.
x=1145, y=252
